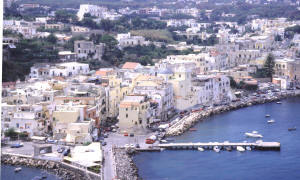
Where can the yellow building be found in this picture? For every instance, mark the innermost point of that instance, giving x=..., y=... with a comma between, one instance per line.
x=134, y=114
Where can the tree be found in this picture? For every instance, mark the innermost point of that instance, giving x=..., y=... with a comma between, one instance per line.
x=52, y=39
x=11, y=133
x=269, y=66
x=106, y=25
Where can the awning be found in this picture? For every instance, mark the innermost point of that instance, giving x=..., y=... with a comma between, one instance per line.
x=40, y=138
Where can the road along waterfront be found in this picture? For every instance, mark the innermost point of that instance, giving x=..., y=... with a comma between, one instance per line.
x=231, y=126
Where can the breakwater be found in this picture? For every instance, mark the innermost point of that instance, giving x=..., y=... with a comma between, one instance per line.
x=60, y=169
x=125, y=167
x=188, y=121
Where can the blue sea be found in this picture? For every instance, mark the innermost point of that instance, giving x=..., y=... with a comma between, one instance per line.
x=231, y=126
x=8, y=173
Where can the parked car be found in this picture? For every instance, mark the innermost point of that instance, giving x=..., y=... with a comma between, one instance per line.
x=66, y=151
x=131, y=135
x=17, y=145
x=104, y=143
x=137, y=146
x=61, y=149
x=132, y=145
x=126, y=134
x=127, y=146
x=51, y=141
x=105, y=135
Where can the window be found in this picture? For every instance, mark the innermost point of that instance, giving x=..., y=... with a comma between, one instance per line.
x=126, y=115
x=17, y=125
x=126, y=109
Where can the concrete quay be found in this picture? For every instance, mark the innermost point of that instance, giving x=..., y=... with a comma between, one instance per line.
x=210, y=145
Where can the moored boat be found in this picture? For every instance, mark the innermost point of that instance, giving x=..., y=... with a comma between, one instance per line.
x=216, y=149
x=268, y=115
x=228, y=148
x=271, y=121
x=248, y=148
x=193, y=129
x=254, y=134
x=200, y=149
x=278, y=102
x=240, y=149
x=18, y=169
x=292, y=129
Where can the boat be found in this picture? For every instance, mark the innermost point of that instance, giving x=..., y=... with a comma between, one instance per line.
x=216, y=149
x=193, y=129
x=248, y=148
x=163, y=141
x=228, y=148
x=240, y=149
x=271, y=121
x=278, y=102
x=268, y=115
x=292, y=129
x=259, y=141
x=170, y=139
x=18, y=169
x=200, y=149
x=254, y=134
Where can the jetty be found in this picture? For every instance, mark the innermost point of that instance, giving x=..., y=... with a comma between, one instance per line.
x=258, y=146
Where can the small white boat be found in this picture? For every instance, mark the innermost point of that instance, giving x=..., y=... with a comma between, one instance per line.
x=163, y=141
x=254, y=134
x=248, y=148
x=240, y=149
x=216, y=149
x=18, y=169
x=278, y=102
x=228, y=148
x=268, y=115
x=259, y=141
x=200, y=149
x=271, y=121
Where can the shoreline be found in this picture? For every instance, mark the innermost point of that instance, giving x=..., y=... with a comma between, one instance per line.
x=185, y=124
x=59, y=169
x=190, y=120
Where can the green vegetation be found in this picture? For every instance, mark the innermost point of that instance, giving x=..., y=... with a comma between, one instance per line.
x=212, y=40
x=26, y=53
x=146, y=54
x=154, y=35
x=95, y=169
x=11, y=133
x=269, y=66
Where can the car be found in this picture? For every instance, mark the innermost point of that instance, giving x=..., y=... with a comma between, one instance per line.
x=66, y=151
x=126, y=146
x=104, y=143
x=114, y=130
x=137, y=146
x=132, y=145
x=126, y=134
x=61, y=149
x=105, y=135
x=131, y=135
x=51, y=141
x=17, y=145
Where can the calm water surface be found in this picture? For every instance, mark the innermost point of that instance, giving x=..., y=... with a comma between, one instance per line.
x=8, y=173
x=231, y=126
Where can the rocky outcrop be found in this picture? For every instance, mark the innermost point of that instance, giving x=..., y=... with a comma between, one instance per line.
x=125, y=167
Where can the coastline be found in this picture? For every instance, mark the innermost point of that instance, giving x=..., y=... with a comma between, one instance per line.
x=60, y=169
x=189, y=121
x=186, y=123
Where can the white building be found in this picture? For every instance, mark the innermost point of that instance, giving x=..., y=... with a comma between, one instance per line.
x=98, y=11
x=128, y=40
